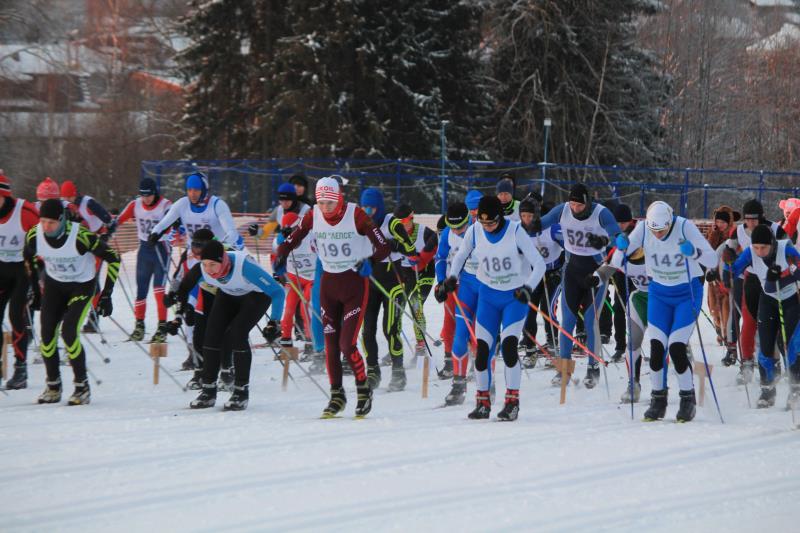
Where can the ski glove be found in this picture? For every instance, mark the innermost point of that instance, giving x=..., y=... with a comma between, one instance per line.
x=173, y=326
x=450, y=284
x=104, y=306
x=252, y=229
x=153, y=238
x=590, y=281
x=364, y=268
x=279, y=265
x=687, y=248
x=271, y=331
x=773, y=273
x=712, y=275
x=596, y=241
x=622, y=242
x=440, y=293
x=170, y=299
x=524, y=294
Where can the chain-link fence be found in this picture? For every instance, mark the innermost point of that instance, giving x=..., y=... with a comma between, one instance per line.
x=252, y=185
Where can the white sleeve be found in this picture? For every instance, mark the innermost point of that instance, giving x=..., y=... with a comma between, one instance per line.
x=525, y=245
x=706, y=255
x=223, y=213
x=467, y=245
x=172, y=215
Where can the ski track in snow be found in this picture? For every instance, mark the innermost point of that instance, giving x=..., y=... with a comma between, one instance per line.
x=138, y=458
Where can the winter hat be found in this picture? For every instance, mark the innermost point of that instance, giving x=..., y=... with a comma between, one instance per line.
x=504, y=185
x=725, y=216
x=52, y=209
x=788, y=205
x=148, y=187
x=489, y=209
x=659, y=216
x=47, y=189
x=68, y=189
x=622, y=213
x=5, y=185
x=372, y=197
x=457, y=215
x=201, y=237
x=761, y=234
x=213, y=250
x=472, y=199
x=199, y=181
x=289, y=220
x=299, y=179
x=753, y=209
x=328, y=189
x=528, y=205
x=286, y=192
x=579, y=193
x=403, y=211
x=441, y=223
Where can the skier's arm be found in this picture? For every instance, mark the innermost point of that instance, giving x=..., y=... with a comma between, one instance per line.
x=704, y=253
x=88, y=242
x=441, y=256
x=297, y=236
x=98, y=210
x=170, y=218
x=29, y=216
x=232, y=237
x=467, y=245
x=429, y=249
x=29, y=255
x=525, y=245
x=266, y=284
x=398, y=232
x=609, y=223
x=127, y=213
x=635, y=240
x=192, y=278
x=365, y=226
x=744, y=260
x=553, y=216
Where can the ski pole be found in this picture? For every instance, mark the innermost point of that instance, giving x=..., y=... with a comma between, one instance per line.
x=631, y=367
x=93, y=376
x=401, y=309
x=570, y=337
x=411, y=303
x=32, y=329
x=700, y=337
x=785, y=351
x=596, y=327
x=105, y=359
x=549, y=309
x=740, y=354
x=155, y=359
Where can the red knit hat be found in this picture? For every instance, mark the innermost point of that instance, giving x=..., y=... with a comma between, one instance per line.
x=5, y=185
x=47, y=190
x=68, y=189
x=289, y=219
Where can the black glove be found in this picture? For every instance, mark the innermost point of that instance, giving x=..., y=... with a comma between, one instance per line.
x=773, y=273
x=596, y=241
x=170, y=299
x=173, y=326
x=271, y=331
x=440, y=293
x=712, y=275
x=111, y=227
x=553, y=277
x=104, y=237
x=535, y=225
x=450, y=284
x=524, y=294
x=104, y=306
x=590, y=282
x=153, y=239
x=286, y=231
x=35, y=299
x=252, y=229
x=728, y=254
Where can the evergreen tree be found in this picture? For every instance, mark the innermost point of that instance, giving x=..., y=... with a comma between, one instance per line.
x=574, y=61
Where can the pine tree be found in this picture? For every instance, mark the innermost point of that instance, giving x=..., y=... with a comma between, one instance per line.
x=575, y=62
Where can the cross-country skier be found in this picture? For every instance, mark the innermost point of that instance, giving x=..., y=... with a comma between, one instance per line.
x=198, y=210
x=245, y=291
x=300, y=270
x=68, y=251
x=509, y=268
x=674, y=302
x=505, y=193
x=93, y=215
x=718, y=296
x=288, y=202
x=17, y=216
x=348, y=243
x=587, y=228
x=774, y=263
x=152, y=260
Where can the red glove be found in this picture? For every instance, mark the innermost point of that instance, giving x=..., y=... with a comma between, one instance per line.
x=424, y=259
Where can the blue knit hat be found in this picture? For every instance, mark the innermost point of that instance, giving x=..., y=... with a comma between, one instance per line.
x=473, y=198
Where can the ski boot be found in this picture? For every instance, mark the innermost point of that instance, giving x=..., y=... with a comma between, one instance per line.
x=336, y=404
x=592, y=377
x=364, y=402
x=308, y=352
x=374, y=376
x=91, y=325
x=20, y=378
x=386, y=360
x=398, y=381
x=51, y=394
x=285, y=343
x=730, y=355
x=239, y=399
x=658, y=406
x=605, y=339
x=457, y=392
x=347, y=370
x=138, y=331
x=745, y=374
x=195, y=383
x=160, y=336
x=530, y=358
x=82, y=395
x=226, y=379
x=556, y=381
x=618, y=355
x=447, y=370
x=626, y=395
x=793, y=400
x=510, y=410
x=207, y=397
x=767, y=398
x=686, y=409
x=317, y=363
x=188, y=363
x=482, y=406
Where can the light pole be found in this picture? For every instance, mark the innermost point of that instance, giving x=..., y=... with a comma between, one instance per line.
x=547, y=124
x=443, y=142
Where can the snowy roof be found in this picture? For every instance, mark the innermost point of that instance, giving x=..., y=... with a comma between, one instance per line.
x=788, y=36
x=21, y=61
x=772, y=3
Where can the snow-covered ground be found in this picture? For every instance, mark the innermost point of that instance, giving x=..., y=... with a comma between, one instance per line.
x=139, y=459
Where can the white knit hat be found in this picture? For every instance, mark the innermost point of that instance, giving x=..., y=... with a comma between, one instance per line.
x=328, y=189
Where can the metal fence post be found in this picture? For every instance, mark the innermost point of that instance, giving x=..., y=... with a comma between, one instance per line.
x=760, y=184
x=705, y=200
x=641, y=201
x=685, y=195
x=397, y=183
